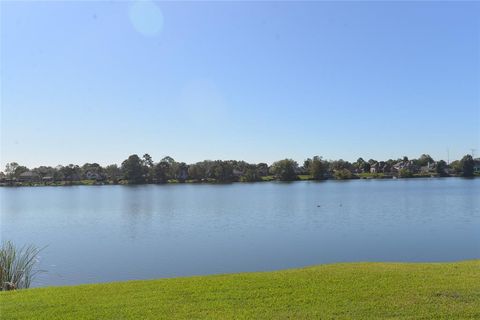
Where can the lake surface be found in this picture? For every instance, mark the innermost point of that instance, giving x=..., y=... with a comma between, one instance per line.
x=110, y=233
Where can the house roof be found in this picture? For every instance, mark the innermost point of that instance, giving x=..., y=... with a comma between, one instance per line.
x=28, y=174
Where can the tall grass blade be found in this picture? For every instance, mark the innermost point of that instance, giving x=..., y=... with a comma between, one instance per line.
x=17, y=266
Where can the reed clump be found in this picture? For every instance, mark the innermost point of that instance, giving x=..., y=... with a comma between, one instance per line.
x=17, y=266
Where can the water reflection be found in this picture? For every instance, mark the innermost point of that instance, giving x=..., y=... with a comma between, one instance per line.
x=107, y=233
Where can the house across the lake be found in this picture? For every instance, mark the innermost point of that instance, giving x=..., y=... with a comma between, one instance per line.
x=374, y=168
x=29, y=176
x=406, y=165
x=90, y=175
x=429, y=168
x=237, y=173
x=476, y=165
x=47, y=179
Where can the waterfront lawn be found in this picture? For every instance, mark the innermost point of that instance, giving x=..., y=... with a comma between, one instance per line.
x=268, y=178
x=338, y=291
x=305, y=177
x=369, y=175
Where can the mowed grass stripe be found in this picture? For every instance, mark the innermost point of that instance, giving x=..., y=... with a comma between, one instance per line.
x=336, y=291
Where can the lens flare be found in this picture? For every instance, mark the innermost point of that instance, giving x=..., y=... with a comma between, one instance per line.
x=146, y=18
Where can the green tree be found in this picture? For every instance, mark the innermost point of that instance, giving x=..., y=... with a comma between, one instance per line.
x=424, y=160
x=170, y=166
x=456, y=166
x=317, y=168
x=113, y=172
x=44, y=171
x=285, y=170
x=250, y=174
x=161, y=172
x=358, y=165
x=362, y=165
x=19, y=170
x=262, y=169
x=147, y=160
x=222, y=171
x=195, y=171
x=201, y=170
x=343, y=174
x=71, y=172
x=92, y=168
x=14, y=170
x=181, y=171
x=340, y=164
x=467, y=165
x=58, y=174
x=133, y=169
x=366, y=167
x=10, y=169
x=405, y=173
x=148, y=167
x=306, y=164
x=440, y=168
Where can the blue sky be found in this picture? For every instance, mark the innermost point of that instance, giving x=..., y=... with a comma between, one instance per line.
x=258, y=81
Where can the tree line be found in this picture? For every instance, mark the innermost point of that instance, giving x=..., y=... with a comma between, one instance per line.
x=138, y=170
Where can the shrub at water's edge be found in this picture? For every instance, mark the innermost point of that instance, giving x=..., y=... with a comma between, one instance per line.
x=17, y=266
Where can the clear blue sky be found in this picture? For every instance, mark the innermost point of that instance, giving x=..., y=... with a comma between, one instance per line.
x=97, y=81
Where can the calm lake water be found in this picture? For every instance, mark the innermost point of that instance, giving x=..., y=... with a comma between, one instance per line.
x=109, y=233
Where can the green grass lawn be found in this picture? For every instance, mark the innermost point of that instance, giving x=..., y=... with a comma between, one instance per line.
x=268, y=178
x=369, y=175
x=338, y=291
x=305, y=177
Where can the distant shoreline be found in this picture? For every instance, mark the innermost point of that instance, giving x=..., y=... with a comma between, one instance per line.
x=87, y=182
x=143, y=170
